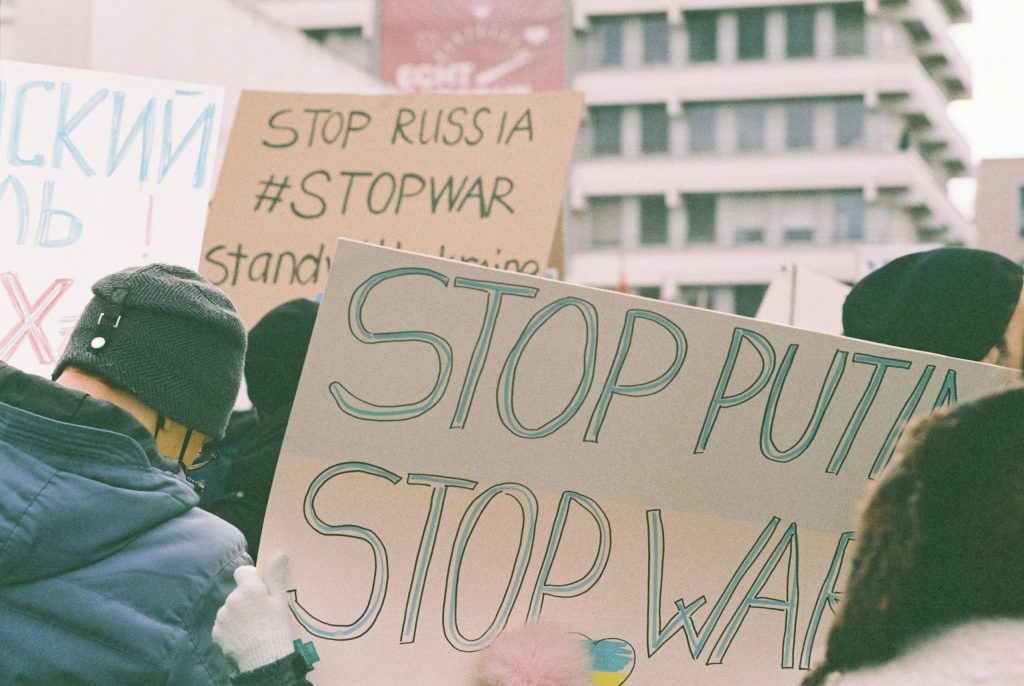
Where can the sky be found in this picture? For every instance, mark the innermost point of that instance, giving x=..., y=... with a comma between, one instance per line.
x=993, y=120
x=993, y=45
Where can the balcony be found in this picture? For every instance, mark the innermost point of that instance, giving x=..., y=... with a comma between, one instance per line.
x=582, y=10
x=323, y=14
x=710, y=265
x=903, y=81
x=927, y=22
x=902, y=173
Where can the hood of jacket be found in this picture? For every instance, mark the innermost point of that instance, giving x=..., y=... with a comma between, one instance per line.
x=981, y=653
x=79, y=477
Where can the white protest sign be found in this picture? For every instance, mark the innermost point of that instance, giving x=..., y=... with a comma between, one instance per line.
x=805, y=299
x=98, y=172
x=471, y=448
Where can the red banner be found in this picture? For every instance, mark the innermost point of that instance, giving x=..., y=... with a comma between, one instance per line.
x=473, y=46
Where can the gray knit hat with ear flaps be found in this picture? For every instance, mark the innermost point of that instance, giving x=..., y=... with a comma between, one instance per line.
x=167, y=336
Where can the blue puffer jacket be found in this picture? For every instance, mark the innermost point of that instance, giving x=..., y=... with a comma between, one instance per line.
x=109, y=574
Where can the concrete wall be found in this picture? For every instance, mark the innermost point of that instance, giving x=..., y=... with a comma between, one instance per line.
x=998, y=211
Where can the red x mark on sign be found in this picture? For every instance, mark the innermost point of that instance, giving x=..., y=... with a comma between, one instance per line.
x=31, y=317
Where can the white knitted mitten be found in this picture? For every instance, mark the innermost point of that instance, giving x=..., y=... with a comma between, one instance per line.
x=253, y=627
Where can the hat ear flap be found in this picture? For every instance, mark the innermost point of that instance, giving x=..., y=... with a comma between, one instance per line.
x=161, y=422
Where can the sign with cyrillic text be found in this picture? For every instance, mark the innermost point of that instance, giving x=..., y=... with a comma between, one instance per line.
x=473, y=178
x=98, y=172
x=471, y=449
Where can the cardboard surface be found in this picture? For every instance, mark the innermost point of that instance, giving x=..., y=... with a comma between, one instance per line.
x=98, y=172
x=469, y=448
x=476, y=178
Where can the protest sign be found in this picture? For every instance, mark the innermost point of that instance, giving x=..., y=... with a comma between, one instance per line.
x=472, y=448
x=98, y=172
x=805, y=299
x=475, y=178
x=556, y=260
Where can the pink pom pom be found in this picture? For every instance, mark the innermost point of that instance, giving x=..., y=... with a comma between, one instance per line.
x=535, y=655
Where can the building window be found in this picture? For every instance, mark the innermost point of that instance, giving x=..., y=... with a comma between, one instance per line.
x=607, y=123
x=800, y=31
x=751, y=34
x=702, y=129
x=849, y=216
x=653, y=292
x=702, y=32
x=701, y=217
x=653, y=129
x=605, y=221
x=697, y=296
x=800, y=125
x=748, y=299
x=1020, y=211
x=849, y=122
x=609, y=40
x=348, y=42
x=656, y=39
x=750, y=126
x=746, y=236
x=798, y=236
x=653, y=220
x=849, y=23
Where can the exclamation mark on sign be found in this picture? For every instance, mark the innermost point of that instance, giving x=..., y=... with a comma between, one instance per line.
x=149, y=227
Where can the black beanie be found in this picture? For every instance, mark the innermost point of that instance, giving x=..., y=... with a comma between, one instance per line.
x=950, y=301
x=167, y=336
x=277, y=350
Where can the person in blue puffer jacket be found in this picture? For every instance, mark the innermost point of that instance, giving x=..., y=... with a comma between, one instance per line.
x=109, y=573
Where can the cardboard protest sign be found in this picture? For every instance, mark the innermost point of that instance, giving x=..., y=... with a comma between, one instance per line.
x=805, y=299
x=98, y=172
x=470, y=448
x=475, y=178
x=556, y=260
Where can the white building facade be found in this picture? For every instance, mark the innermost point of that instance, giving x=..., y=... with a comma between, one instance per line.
x=726, y=137
x=722, y=138
x=999, y=210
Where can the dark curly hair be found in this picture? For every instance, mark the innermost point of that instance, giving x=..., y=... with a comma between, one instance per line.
x=941, y=539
